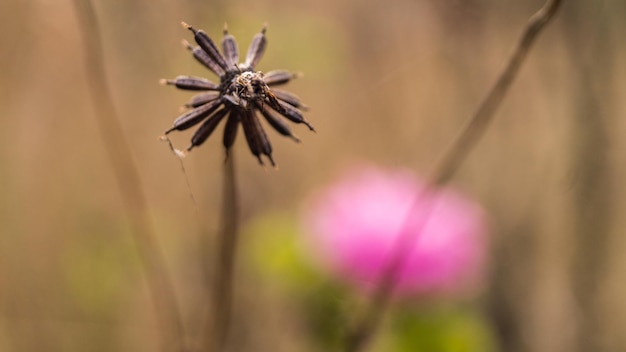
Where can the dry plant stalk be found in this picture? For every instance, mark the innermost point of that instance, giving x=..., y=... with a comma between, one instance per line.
x=128, y=180
x=220, y=315
x=443, y=170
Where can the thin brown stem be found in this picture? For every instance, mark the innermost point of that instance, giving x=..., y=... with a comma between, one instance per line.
x=220, y=318
x=476, y=126
x=451, y=160
x=129, y=182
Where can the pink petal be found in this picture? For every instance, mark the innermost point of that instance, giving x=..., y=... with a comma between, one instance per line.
x=352, y=226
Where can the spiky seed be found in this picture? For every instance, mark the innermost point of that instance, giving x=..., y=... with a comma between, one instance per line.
x=289, y=98
x=291, y=113
x=202, y=99
x=277, y=77
x=230, y=130
x=191, y=83
x=251, y=134
x=231, y=52
x=255, y=135
x=278, y=124
x=256, y=50
x=207, y=128
x=207, y=44
x=194, y=116
x=202, y=57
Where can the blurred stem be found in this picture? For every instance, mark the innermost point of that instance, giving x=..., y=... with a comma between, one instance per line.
x=476, y=126
x=129, y=182
x=220, y=319
x=593, y=192
x=449, y=163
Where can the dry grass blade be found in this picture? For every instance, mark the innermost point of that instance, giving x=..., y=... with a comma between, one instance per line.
x=119, y=153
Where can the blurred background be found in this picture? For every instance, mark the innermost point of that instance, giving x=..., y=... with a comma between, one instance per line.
x=388, y=82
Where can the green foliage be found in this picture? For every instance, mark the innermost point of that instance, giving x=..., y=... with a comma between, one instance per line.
x=326, y=306
x=439, y=328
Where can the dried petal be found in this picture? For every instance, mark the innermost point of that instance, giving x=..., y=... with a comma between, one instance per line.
x=277, y=77
x=207, y=128
x=191, y=83
x=230, y=130
x=278, y=124
x=231, y=52
x=255, y=135
x=204, y=58
x=194, y=116
x=257, y=48
x=202, y=99
x=289, y=98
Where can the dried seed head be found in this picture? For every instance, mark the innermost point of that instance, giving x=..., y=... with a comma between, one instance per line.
x=241, y=92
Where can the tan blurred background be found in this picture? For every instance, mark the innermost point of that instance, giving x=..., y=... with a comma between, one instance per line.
x=388, y=82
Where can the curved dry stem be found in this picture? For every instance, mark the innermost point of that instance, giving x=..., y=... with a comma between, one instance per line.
x=129, y=183
x=476, y=126
x=443, y=170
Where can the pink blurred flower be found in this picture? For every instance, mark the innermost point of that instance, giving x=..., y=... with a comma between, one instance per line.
x=353, y=225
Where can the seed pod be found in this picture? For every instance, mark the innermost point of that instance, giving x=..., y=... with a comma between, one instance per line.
x=276, y=77
x=206, y=43
x=257, y=48
x=202, y=99
x=194, y=116
x=207, y=128
x=291, y=113
x=231, y=52
x=289, y=98
x=202, y=57
x=256, y=137
x=278, y=124
x=230, y=130
x=191, y=83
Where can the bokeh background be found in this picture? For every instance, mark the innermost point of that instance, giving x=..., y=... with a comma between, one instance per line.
x=388, y=82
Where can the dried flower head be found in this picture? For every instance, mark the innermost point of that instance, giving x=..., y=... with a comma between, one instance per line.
x=241, y=92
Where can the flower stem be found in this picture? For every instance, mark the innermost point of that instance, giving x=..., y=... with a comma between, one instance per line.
x=227, y=245
x=129, y=183
x=452, y=158
x=359, y=337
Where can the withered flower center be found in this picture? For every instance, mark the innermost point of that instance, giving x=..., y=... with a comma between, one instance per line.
x=243, y=88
